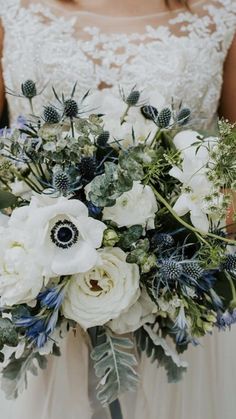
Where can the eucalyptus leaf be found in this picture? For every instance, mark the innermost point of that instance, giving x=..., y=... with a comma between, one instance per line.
x=114, y=365
x=8, y=333
x=7, y=199
x=130, y=236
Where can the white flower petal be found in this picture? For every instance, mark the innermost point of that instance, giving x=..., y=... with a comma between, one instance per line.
x=199, y=220
x=79, y=258
x=182, y=204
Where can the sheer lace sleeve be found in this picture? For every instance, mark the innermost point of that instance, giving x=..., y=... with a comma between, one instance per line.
x=180, y=53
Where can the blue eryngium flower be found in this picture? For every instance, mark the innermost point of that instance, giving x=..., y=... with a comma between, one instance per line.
x=38, y=328
x=226, y=319
x=52, y=297
x=94, y=211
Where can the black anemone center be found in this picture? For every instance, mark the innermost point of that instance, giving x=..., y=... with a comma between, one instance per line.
x=64, y=234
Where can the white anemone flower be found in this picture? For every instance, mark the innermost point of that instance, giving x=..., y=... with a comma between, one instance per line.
x=63, y=235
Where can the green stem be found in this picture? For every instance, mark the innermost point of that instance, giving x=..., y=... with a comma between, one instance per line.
x=155, y=138
x=31, y=105
x=115, y=410
x=30, y=183
x=72, y=127
x=197, y=232
x=232, y=286
x=42, y=172
x=5, y=183
x=36, y=175
x=122, y=119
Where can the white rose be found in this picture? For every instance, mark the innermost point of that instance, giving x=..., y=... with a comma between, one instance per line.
x=21, y=278
x=103, y=293
x=137, y=206
x=63, y=235
x=143, y=311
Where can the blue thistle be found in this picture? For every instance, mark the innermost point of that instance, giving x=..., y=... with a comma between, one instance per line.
x=61, y=181
x=183, y=116
x=163, y=240
x=229, y=263
x=193, y=269
x=171, y=270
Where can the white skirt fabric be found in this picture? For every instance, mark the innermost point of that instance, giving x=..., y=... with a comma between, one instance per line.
x=63, y=391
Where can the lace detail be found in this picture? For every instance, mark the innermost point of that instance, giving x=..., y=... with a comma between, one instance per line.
x=182, y=54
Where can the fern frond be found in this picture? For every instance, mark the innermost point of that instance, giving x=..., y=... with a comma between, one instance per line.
x=114, y=366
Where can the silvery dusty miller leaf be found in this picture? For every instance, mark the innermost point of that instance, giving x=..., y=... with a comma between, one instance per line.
x=114, y=366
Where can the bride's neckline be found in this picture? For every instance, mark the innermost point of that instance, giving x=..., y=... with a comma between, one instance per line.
x=54, y=5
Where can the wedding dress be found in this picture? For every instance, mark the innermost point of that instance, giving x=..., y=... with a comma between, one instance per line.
x=181, y=54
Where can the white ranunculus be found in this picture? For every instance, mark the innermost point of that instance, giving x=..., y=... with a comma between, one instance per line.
x=63, y=235
x=21, y=277
x=143, y=311
x=104, y=292
x=135, y=207
x=109, y=103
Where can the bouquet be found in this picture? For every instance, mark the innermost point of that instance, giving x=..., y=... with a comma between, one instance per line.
x=114, y=215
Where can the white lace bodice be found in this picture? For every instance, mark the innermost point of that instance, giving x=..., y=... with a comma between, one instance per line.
x=180, y=53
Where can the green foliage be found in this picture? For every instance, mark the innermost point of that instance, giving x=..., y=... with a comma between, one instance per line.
x=118, y=178
x=14, y=375
x=8, y=333
x=157, y=349
x=7, y=199
x=139, y=253
x=222, y=169
x=103, y=188
x=130, y=236
x=203, y=319
x=211, y=254
x=114, y=366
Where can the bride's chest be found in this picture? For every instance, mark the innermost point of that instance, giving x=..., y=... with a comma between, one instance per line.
x=54, y=52
x=187, y=67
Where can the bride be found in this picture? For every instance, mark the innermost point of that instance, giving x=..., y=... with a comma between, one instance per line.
x=187, y=51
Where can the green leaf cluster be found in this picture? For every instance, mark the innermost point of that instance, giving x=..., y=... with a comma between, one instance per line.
x=117, y=178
